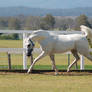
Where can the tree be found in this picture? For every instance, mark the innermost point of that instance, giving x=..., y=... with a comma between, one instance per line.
x=47, y=22
x=82, y=20
x=3, y=22
x=14, y=23
x=32, y=23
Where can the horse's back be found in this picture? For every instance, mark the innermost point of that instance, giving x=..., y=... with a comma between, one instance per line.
x=54, y=43
x=68, y=42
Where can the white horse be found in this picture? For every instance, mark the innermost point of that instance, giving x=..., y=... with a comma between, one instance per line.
x=51, y=43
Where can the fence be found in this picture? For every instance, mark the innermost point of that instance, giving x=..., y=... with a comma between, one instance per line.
x=23, y=50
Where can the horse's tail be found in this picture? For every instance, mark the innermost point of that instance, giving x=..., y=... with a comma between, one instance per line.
x=87, y=31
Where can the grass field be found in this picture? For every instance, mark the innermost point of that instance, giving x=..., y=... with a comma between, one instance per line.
x=22, y=82
x=12, y=82
x=45, y=63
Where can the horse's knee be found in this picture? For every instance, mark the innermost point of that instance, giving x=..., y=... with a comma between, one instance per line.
x=78, y=58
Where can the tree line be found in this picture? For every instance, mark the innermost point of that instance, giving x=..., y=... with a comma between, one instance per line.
x=47, y=22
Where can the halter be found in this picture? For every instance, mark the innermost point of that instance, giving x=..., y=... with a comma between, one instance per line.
x=30, y=49
x=32, y=43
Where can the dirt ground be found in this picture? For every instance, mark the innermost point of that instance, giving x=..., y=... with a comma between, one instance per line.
x=51, y=72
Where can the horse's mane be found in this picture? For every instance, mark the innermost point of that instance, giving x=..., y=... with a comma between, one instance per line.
x=40, y=30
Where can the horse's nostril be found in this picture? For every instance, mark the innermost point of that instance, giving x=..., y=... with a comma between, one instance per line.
x=28, y=45
x=28, y=55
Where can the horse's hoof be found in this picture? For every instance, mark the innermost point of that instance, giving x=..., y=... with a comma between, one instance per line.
x=28, y=72
x=68, y=70
x=56, y=73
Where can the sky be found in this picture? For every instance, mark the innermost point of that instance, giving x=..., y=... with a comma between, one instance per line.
x=49, y=4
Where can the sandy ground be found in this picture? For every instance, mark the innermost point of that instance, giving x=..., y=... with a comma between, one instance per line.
x=51, y=72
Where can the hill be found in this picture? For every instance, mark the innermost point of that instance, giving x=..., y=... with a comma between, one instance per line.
x=27, y=11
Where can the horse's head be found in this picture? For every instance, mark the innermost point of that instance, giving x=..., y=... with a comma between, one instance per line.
x=29, y=46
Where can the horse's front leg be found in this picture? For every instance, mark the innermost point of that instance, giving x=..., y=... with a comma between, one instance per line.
x=39, y=57
x=53, y=64
x=31, y=57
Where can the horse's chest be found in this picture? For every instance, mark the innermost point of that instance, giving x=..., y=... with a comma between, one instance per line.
x=47, y=44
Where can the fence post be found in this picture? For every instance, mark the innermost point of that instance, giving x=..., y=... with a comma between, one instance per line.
x=81, y=62
x=9, y=61
x=24, y=53
x=68, y=59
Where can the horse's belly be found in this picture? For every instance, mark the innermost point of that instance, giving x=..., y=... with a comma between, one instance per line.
x=61, y=48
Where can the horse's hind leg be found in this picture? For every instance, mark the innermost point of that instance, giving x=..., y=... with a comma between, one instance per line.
x=53, y=63
x=88, y=56
x=75, y=54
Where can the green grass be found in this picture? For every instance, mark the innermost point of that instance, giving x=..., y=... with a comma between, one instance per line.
x=45, y=67
x=45, y=63
x=40, y=67
x=12, y=44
